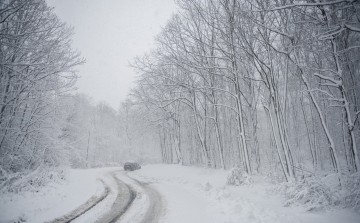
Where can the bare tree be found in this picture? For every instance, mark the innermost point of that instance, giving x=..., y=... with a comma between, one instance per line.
x=36, y=69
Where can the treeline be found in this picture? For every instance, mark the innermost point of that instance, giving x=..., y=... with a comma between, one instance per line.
x=271, y=86
x=36, y=68
x=43, y=127
x=97, y=135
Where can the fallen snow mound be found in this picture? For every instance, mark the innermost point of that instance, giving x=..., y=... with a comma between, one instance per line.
x=238, y=177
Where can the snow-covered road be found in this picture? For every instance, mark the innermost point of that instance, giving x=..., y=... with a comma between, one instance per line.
x=165, y=194
x=125, y=197
x=135, y=201
x=94, y=195
x=155, y=209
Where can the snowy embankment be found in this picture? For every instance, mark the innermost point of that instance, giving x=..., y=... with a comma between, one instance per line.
x=56, y=199
x=195, y=194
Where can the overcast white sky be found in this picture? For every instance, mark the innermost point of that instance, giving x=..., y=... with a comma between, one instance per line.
x=109, y=34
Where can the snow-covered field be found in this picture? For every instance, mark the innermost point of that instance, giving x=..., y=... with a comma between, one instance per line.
x=191, y=194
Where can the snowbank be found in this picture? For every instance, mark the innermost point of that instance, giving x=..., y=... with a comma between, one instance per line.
x=196, y=194
x=53, y=200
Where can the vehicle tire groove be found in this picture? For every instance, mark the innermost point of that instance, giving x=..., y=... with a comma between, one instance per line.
x=155, y=210
x=82, y=208
x=127, y=205
x=123, y=201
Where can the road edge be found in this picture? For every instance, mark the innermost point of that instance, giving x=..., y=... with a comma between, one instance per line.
x=94, y=200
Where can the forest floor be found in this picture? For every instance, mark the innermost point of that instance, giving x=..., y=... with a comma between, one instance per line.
x=189, y=194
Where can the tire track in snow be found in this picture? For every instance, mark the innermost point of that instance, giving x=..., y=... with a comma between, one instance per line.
x=154, y=212
x=123, y=201
x=149, y=205
x=83, y=208
x=126, y=194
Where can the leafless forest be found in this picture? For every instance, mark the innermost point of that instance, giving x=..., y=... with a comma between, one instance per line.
x=269, y=86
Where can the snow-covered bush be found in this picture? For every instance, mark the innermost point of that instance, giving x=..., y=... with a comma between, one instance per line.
x=238, y=177
x=32, y=180
x=312, y=192
x=207, y=186
x=351, y=195
x=322, y=193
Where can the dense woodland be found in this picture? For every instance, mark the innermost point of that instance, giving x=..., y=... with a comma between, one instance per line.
x=267, y=86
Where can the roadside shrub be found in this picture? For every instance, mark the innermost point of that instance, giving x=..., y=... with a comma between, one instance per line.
x=314, y=193
x=207, y=186
x=351, y=198
x=31, y=180
x=323, y=193
x=238, y=177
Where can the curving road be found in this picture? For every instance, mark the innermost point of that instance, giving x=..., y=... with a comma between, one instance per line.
x=124, y=200
x=155, y=210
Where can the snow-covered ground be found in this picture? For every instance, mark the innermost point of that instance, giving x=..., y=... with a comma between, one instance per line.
x=54, y=200
x=201, y=195
x=191, y=194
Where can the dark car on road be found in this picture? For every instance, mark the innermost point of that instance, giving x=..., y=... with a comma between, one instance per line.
x=132, y=166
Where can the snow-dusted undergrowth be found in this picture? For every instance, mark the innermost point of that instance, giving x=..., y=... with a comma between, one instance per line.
x=30, y=180
x=238, y=177
x=323, y=192
x=351, y=197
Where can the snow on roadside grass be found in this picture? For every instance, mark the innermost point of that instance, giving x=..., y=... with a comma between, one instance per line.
x=53, y=200
x=225, y=203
